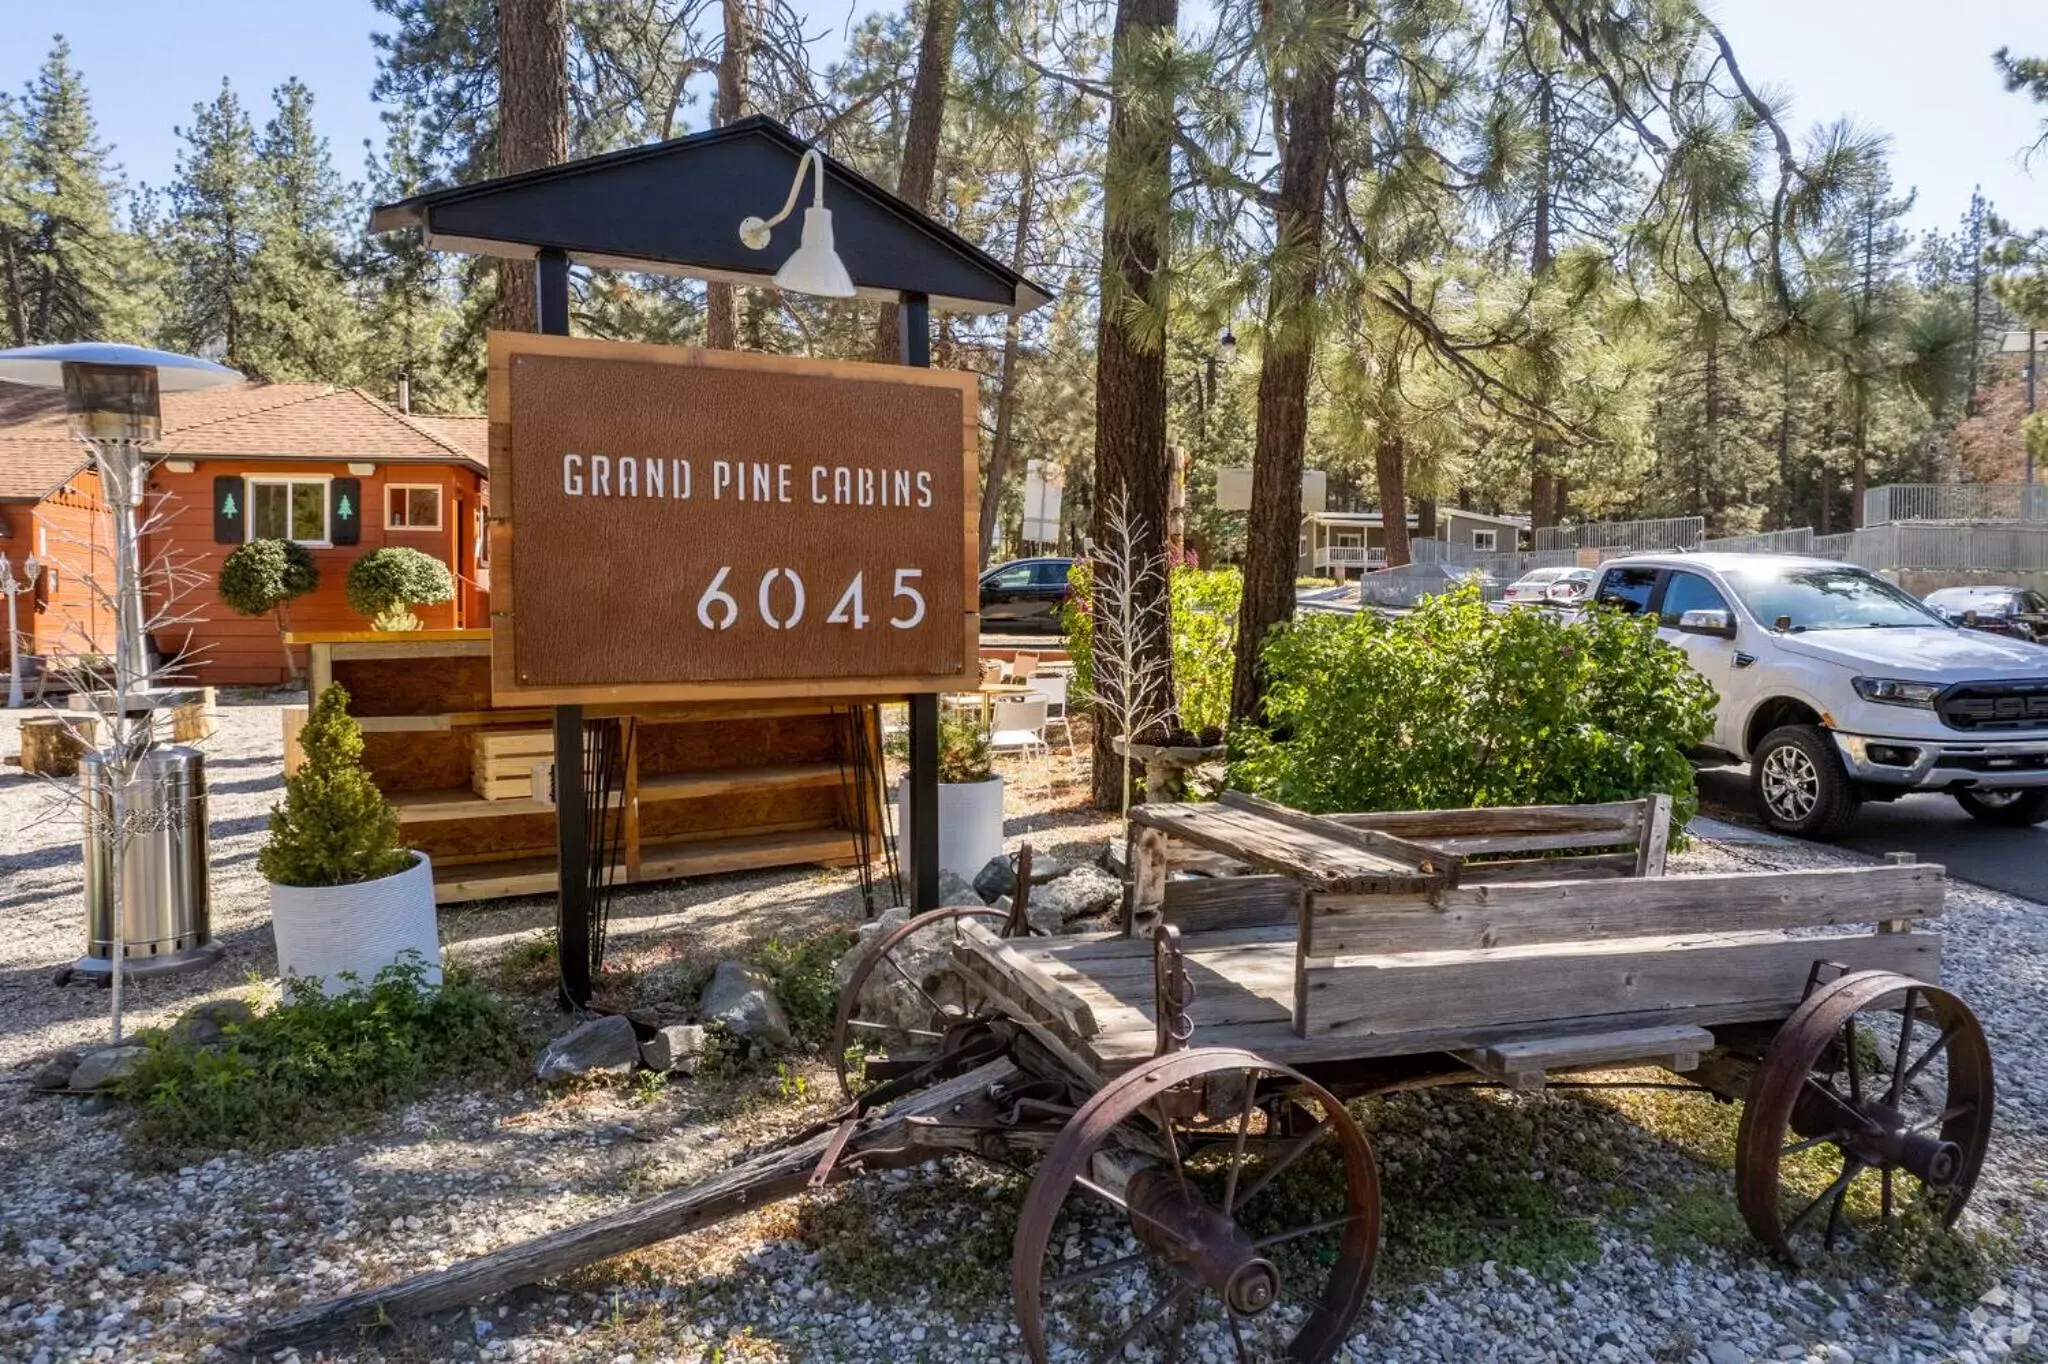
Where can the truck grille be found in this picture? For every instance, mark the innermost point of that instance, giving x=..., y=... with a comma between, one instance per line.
x=1992, y=706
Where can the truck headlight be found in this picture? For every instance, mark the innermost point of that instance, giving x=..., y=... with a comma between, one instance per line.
x=1892, y=691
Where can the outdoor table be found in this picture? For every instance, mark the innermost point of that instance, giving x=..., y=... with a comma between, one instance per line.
x=988, y=692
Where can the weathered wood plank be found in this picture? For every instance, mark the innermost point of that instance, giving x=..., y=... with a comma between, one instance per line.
x=1419, y=992
x=1597, y=867
x=1656, y=836
x=1376, y=841
x=1146, y=856
x=1513, y=915
x=1270, y=846
x=1539, y=1054
x=1025, y=976
x=1622, y=818
x=766, y=1178
x=1211, y=902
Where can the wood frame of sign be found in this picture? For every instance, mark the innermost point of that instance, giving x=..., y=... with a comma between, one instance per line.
x=757, y=596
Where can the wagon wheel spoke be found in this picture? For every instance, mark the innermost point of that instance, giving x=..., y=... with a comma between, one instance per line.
x=1899, y=1053
x=1279, y=1164
x=1948, y=1035
x=1144, y=1323
x=1885, y=1198
x=1296, y=1233
x=1123, y=1206
x=1942, y=1119
x=938, y=1010
x=1833, y=1191
x=1855, y=1061
x=867, y=1025
x=1180, y=1176
x=1244, y=1123
x=1807, y=1145
x=1097, y=1271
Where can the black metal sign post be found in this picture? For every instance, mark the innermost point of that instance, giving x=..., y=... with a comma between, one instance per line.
x=914, y=318
x=572, y=839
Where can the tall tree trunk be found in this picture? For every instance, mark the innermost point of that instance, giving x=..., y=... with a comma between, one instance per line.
x=1706, y=483
x=1273, y=526
x=1781, y=503
x=1006, y=390
x=920, y=169
x=1130, y=353
x=1390, y=459
x=1426, y=517
x=1543, y=504
x=735, y=63
x=533, y=124
x=1859, y=460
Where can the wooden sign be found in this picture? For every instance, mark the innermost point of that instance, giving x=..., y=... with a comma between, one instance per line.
x=675, y=524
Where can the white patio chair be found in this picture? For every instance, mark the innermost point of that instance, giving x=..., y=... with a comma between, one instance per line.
x=1052, y=689
x=1018, y=726
x=1023, y=666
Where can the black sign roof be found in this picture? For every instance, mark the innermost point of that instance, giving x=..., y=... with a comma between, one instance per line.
x=675, y=207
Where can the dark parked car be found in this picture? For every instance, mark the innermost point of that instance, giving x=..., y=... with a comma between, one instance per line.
x=2015, y=611
x=1024, y=595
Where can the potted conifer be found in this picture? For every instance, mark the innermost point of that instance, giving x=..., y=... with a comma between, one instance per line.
x=970, y=799
x=347, y=899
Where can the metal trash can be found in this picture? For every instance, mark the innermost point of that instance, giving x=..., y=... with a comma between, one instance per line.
x=164, y=898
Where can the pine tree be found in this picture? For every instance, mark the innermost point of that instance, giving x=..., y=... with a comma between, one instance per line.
x=409, y=313
x=304, y=325
x=215, y=232
x=65, y=256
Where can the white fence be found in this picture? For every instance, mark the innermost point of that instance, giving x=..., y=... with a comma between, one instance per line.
x=1670, y=532
x=1920, y=502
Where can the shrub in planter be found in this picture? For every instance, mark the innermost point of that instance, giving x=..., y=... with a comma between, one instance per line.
x=970, y=798
x=386, y=584
x=264, y=577
x=1454, y=705
x=346, y=897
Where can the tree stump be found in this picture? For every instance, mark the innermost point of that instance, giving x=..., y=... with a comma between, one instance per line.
x=51, y=747
x=194, y=720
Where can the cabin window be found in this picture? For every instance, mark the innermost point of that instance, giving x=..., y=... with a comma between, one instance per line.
x=412, y=506
x=288, y=509
x=1485, y=541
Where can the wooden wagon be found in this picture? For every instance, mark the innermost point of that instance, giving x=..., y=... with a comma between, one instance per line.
x=1180, y=1083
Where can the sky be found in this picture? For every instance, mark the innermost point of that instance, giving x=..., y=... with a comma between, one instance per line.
x=1917, y=71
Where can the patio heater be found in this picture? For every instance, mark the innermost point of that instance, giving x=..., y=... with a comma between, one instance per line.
x=145, y=804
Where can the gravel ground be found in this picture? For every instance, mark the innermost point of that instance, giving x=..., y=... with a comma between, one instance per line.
x=100, y=1261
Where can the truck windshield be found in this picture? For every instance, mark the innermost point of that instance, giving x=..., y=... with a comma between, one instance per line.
x=1829, y=598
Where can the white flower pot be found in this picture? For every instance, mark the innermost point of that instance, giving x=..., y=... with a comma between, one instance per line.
x=970, y=823
x=324, y=931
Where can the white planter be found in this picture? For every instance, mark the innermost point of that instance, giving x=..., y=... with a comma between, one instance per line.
x=970, y=823
x=323, y=931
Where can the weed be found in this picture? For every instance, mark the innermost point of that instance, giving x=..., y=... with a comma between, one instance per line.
x=944, y=1239
x=806, y=982
x=529, y=966
x=313, y=1066
x=648, y=1086
x=1695, y=1218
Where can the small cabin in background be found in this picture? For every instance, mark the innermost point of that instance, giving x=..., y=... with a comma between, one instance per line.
x=332, y=468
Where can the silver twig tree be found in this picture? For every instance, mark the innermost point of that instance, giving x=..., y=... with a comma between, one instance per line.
x=1133, y=689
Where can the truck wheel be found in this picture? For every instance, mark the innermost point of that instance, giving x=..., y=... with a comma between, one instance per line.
x=1799, y=783
x=2014, y=809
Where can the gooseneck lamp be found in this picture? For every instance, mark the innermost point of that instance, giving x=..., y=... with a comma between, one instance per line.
x=815, y=268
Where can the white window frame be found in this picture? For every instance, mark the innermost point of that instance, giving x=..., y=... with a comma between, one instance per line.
x=250, y=483
x=1486, y=541
x=440, y=505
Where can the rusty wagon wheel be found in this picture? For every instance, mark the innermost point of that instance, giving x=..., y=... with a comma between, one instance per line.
x=1182, y=1241
x=900, y=1003
x=1876, y=1091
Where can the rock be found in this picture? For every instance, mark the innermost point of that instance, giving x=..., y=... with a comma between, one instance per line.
x=603, y=1046
x=101, y=1067
x=676, y=1047
x=743, y=999
x=955, y=889
x=887, y=997
x=1725, y=1352
x=55, y=1073
x=1082, y=892
x=999, y=877
x=204, y=1024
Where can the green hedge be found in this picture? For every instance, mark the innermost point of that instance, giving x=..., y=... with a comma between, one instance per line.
x=1455, y=706
x=1205, y=605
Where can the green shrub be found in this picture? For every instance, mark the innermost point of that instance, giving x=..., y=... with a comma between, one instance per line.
x=963, y=749
x=264, y=577
x=1455, y=705
x=313, y=1066
x=1204, y=621
x=387, y=583
x=335, y=827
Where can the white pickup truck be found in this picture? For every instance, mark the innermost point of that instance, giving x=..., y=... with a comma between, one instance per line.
x=1838, y=688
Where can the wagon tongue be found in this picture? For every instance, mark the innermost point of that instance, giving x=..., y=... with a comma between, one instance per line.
x=1207, y=1244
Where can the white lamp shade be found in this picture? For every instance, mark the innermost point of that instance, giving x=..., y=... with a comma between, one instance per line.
x=29, y=568
x=815, y=268
x=43, y=366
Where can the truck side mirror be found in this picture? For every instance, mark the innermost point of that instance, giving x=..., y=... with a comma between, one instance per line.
x=1707, y=621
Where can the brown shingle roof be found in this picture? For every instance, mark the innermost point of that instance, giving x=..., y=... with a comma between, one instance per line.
x=274, y=421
